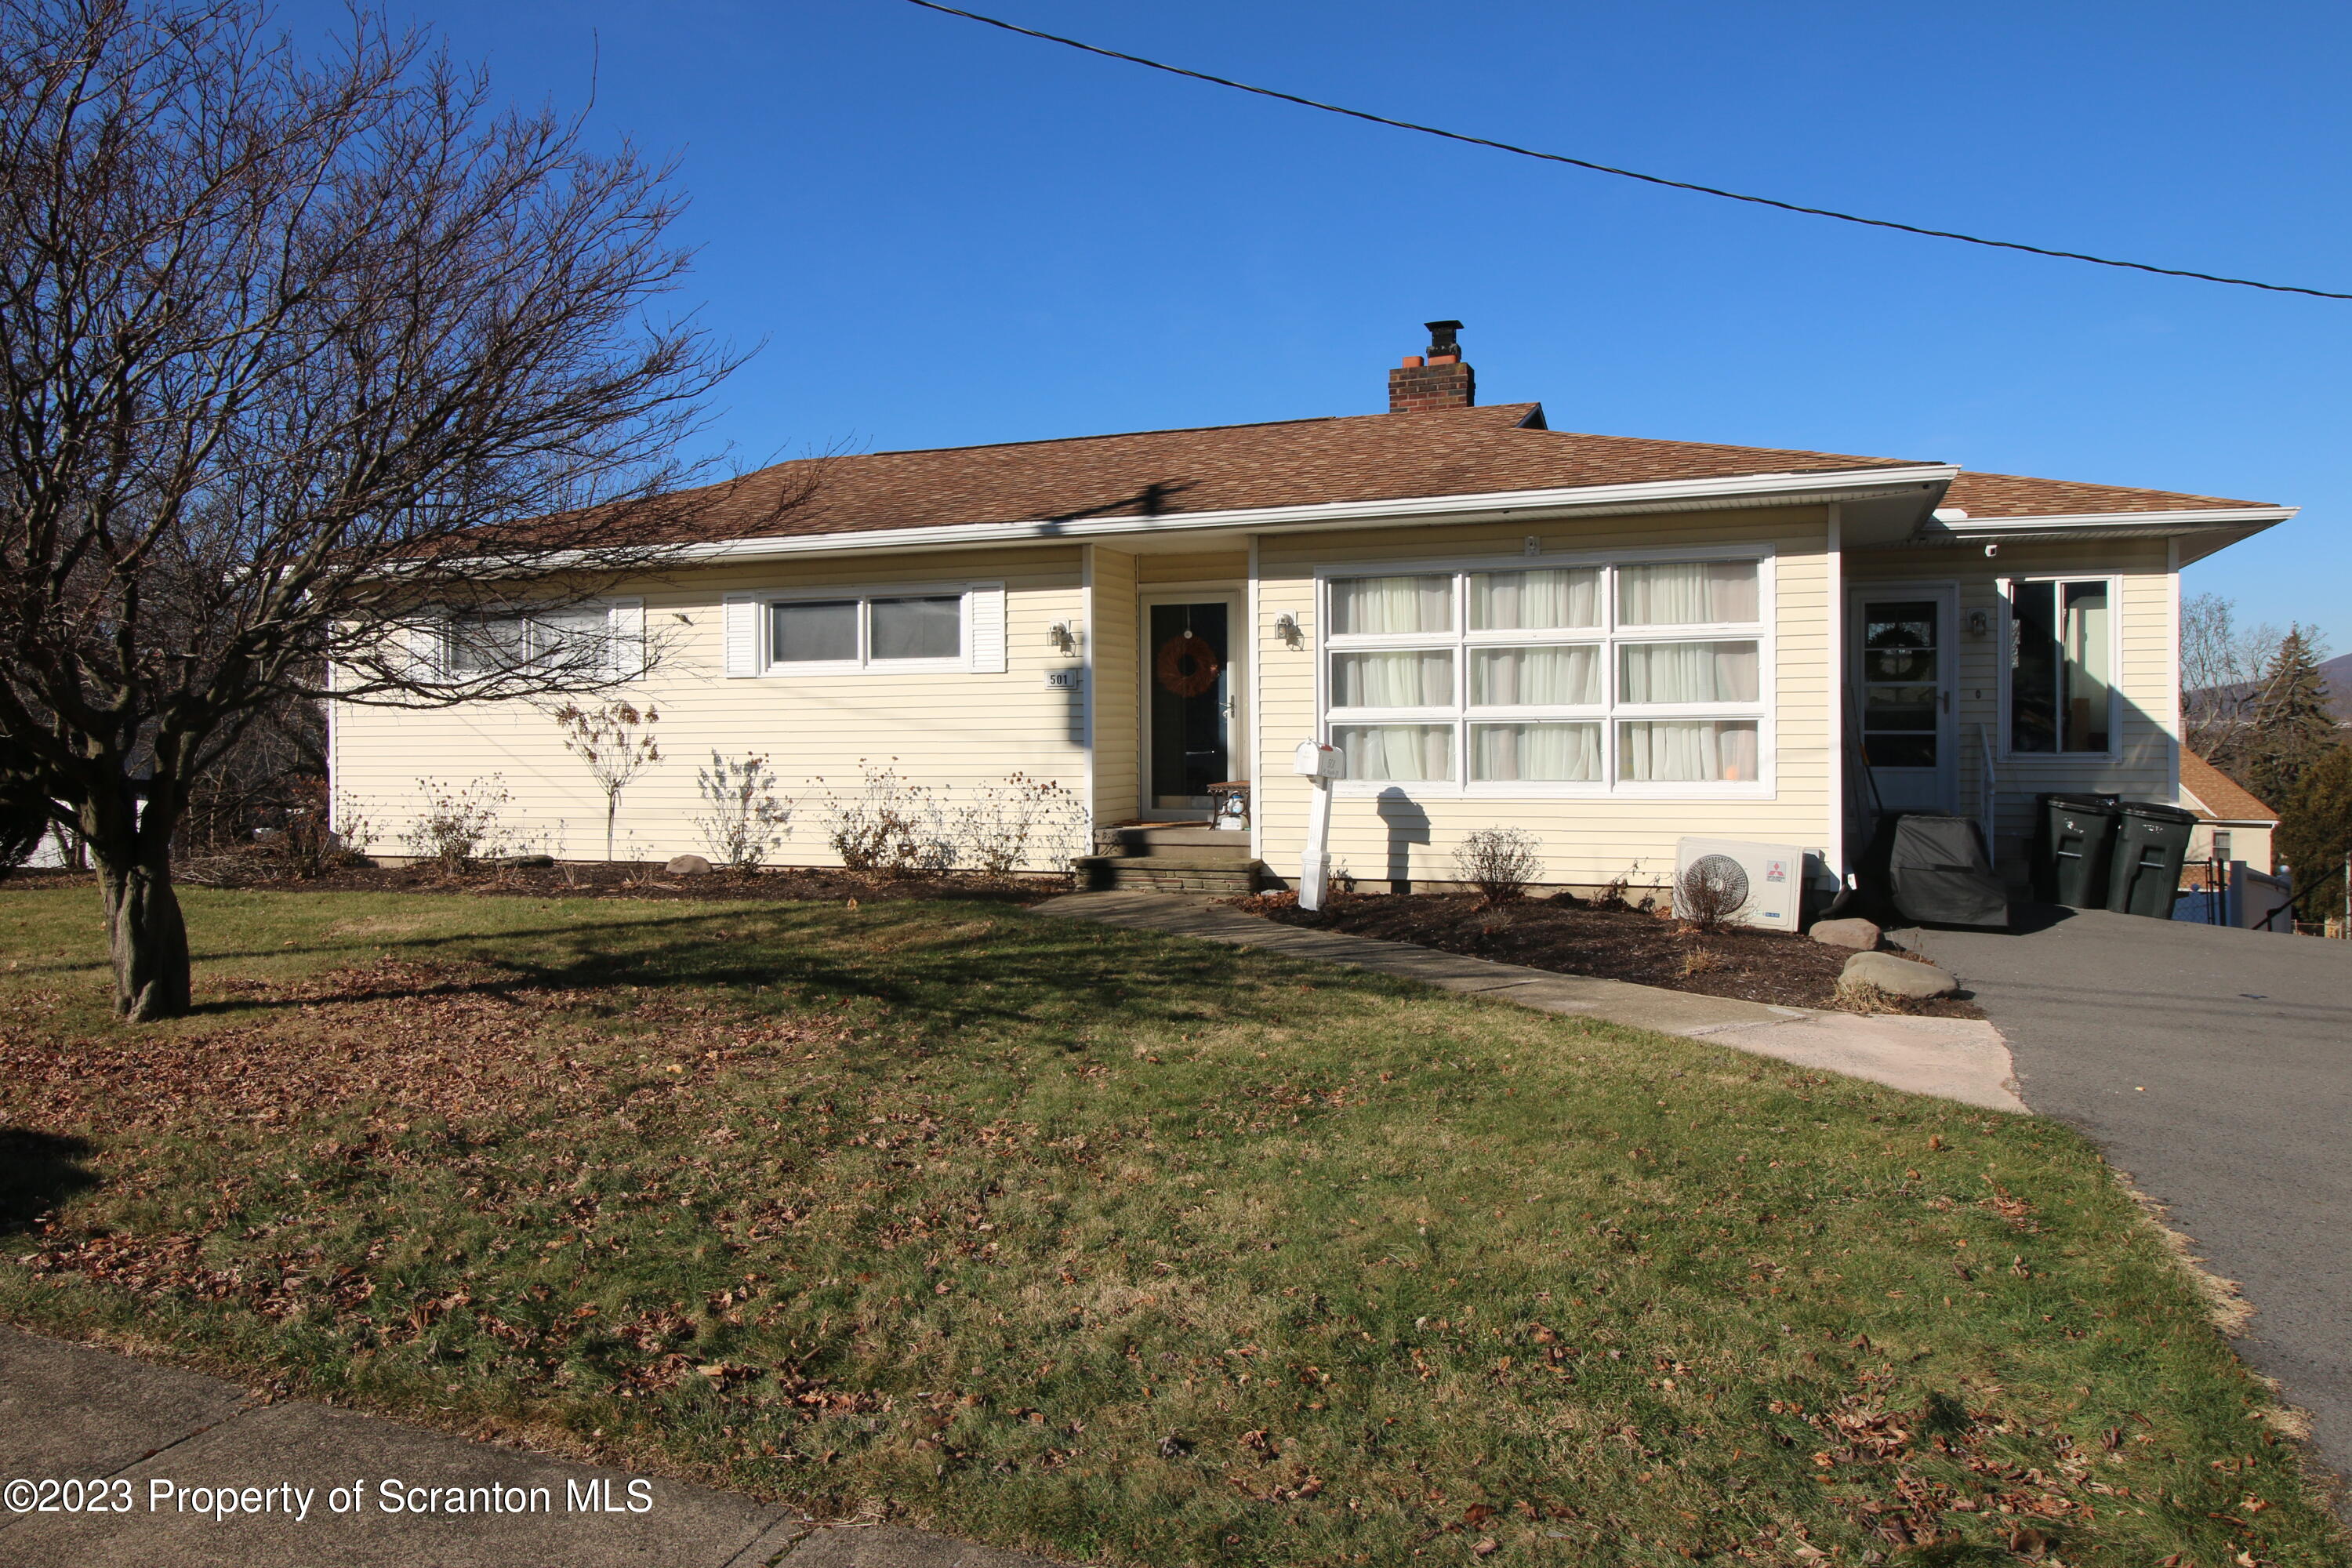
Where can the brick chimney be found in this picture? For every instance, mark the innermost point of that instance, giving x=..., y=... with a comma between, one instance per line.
x=1439, y=380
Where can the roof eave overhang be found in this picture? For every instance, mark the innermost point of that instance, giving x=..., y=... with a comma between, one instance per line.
x=2211, y=529
x=1748, y=491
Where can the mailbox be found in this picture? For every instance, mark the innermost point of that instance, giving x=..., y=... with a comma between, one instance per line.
x=1319, y=761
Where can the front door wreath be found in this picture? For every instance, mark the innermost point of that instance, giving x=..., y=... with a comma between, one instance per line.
x=1186, y=665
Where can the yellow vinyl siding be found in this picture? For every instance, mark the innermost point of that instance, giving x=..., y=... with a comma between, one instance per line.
x=1204, y=566
x=1112, y=631
x=1587, y=840
x=935, y=726
x=2144, y=766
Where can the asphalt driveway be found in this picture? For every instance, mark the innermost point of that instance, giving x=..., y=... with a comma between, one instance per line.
x=2215, y=1067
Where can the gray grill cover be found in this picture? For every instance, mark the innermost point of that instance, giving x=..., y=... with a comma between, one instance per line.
x=1940, y=874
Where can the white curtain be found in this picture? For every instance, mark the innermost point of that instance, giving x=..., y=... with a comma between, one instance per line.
x=1541, y=600
x=1371, y=606
x=1687, y=592
x=1684, y=751
x=1402, y=752
x=2087, y=676
x=1407, y=678
x=1688, y=672
x=1535, y=677
x=1548, y=752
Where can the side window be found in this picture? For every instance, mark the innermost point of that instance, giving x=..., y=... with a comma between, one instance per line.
x=830, y=636
x=2061, y=665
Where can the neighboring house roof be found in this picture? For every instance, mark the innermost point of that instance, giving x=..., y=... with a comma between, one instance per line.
x=1162, y=473
x=2220, y=797
x=2015, y=495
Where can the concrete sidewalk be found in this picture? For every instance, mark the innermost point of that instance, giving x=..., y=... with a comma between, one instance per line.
x=1957, y=1058
x=158, y=1447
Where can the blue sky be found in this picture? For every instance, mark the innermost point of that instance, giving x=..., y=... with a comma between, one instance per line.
x=948, y=235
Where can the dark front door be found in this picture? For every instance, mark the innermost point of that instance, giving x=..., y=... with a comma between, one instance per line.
x=1190, y=681
x=1902, y=674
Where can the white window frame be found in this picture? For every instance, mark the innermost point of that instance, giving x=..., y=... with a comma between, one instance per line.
x=621, y=650
x=2008, y=632
x=1608, y=637
x=865, y=663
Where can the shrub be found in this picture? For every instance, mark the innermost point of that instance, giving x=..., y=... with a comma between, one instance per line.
x=24, y=823
x=461, y=828
x=1019, y=823
x=746, y=821
x=1498, y=861
x=1710, y=892
x=890, y=827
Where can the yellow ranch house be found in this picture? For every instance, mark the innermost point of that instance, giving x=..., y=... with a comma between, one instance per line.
x=1608, y=642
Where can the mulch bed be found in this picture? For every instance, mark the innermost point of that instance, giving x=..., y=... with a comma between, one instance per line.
x=597, y=880
x=1611, y=942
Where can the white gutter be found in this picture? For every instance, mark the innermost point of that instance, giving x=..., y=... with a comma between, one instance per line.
x=2092, y=524
x=1746, y=490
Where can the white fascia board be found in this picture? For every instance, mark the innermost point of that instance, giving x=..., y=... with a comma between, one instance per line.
x=1667, y=495
x=2185, y=521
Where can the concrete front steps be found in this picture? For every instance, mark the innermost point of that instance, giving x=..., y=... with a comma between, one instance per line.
x=1171, y=858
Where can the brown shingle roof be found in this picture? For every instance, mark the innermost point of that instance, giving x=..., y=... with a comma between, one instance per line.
x=2015, y=495
x=1299, y=462
x=2224, y=798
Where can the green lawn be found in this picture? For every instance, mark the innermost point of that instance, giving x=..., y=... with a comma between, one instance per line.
x=1112, y=1247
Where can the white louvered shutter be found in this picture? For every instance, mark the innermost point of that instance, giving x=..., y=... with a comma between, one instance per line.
x=742, y=617
x=624, y=635
x=424, y=636
x=983, y=614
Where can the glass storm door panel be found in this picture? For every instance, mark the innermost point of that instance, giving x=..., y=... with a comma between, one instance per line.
x=1901, y=688
x=1189, y=672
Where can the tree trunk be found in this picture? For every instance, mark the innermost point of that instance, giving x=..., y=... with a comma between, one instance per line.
x=147, y=939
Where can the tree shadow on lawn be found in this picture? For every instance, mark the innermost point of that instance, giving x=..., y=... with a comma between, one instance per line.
x=38, y=1170
x=1022, y=968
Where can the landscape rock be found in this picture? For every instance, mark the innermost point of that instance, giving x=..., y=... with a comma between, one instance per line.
x=1857, y=933
x=686, y=866
x=1896, y=976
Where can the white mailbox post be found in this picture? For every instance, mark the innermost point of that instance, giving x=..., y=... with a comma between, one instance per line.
x=1319, y=764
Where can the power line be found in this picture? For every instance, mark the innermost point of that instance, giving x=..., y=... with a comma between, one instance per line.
x=1627, y=174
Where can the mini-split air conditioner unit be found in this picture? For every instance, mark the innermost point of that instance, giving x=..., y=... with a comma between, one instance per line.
x=1768, y=879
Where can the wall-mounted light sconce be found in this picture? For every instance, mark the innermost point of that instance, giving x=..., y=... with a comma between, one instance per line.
x=1980, y=623
x=1992, y=551
x=1286, y=626
x=1064, y=636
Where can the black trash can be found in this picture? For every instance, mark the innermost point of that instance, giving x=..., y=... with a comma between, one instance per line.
x=2151, y=843
x=2072, y=849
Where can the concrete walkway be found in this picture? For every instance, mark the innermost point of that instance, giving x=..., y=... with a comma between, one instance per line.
x=2215, y=1065
x=1957, y=1058
x=199, y=1473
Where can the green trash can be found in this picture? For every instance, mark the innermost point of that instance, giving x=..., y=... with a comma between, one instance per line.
x=2151, y=843
x=2071, y=846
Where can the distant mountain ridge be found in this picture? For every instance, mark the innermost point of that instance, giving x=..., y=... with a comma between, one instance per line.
x=2337, y=673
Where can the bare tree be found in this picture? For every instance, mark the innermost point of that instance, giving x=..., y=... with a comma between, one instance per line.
x=2222, y=666
x=289, y=345
x=615, y=742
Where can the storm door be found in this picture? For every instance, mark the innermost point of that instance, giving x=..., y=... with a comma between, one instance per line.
x=1903, y=673
x=1189, y=681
